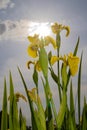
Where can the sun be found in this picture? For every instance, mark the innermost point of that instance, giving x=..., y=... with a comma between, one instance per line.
x=42, y=29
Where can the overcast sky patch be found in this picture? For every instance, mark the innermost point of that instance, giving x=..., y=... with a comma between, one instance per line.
x=6, y=3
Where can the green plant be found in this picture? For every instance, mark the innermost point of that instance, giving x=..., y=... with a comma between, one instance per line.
x=67, y=66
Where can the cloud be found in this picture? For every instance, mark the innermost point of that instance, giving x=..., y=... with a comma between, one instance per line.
x=2, y=28
x=6, y=3
x=18, y=30
x=12, y=30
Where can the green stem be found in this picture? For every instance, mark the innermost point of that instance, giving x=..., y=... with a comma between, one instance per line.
x=51, y=99
x=58, y=42
x=58, y=66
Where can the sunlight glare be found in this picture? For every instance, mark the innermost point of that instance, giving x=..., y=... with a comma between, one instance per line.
x=42, y=29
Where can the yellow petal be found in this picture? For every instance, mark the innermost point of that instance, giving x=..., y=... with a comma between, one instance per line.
x=54, y=59
x=73, y=62
x=33, y=39
x=67, y=28
x=18, y=95
x=49, y=40
x=32, y=51
x=56, y=28
x=30, y=62
x=33, y=95
x=37, y=65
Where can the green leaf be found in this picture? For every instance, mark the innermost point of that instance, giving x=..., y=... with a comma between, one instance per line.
x=58, y=40
x=41, y=116
x=33, y=117
x=71, y=123
x=64, y=75
x=4, y=109
x=54, y=76
x=11, y=102
x=76, y=47
x=84, y=116
x=72, y=110
x=16, y=125
x=62, y=110
x=50, y=124
x=22, y=121
x=49, y=56
x=43, y=58
x=35, y=78
x=79, y=87
x=48, y=112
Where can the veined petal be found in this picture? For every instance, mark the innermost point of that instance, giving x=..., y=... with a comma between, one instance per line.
x=30, y=62
x=73, y=62
x=32, y=50
x=54, y=59
x=37, y=65
x=35, y=41
x=49, y=40
x=18, y=95
x=64, y=58
x=33, y=95
x=34, y=38
x=67, y=28
x=56, y=28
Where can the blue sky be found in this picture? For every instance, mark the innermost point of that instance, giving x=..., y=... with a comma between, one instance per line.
x=16, y=18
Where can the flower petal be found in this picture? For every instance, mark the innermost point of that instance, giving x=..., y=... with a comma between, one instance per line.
x=73, y=62
x=34, y=38
x=32, y=51
x=54, y=59
x=28, y=64
x=37, y=65
x=57, y=28
x=49, y=40
x=67, y=28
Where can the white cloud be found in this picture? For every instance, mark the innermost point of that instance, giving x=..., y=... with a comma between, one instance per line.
x=18, y=30
x=12, y=5
x=15, y=30
x=6, y=3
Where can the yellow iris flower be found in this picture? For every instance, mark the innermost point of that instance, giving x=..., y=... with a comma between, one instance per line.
x=49, y=40
x=33, y=47
x=34, y=39
x=70, y=60
x=57, y=28
x=73, y=62
x=37, y=43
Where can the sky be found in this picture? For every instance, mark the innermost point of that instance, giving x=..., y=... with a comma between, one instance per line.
x=19, y=18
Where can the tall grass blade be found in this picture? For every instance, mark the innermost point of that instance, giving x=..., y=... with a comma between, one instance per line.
x=22, y=121
x=62, y=110
x=84, y=118
x=76, y=47
x=79, y=88
x=72, y=109
x=4, y=109
x=15, y=115
x=35, y=78
x=29, y=101
x=11, y=102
